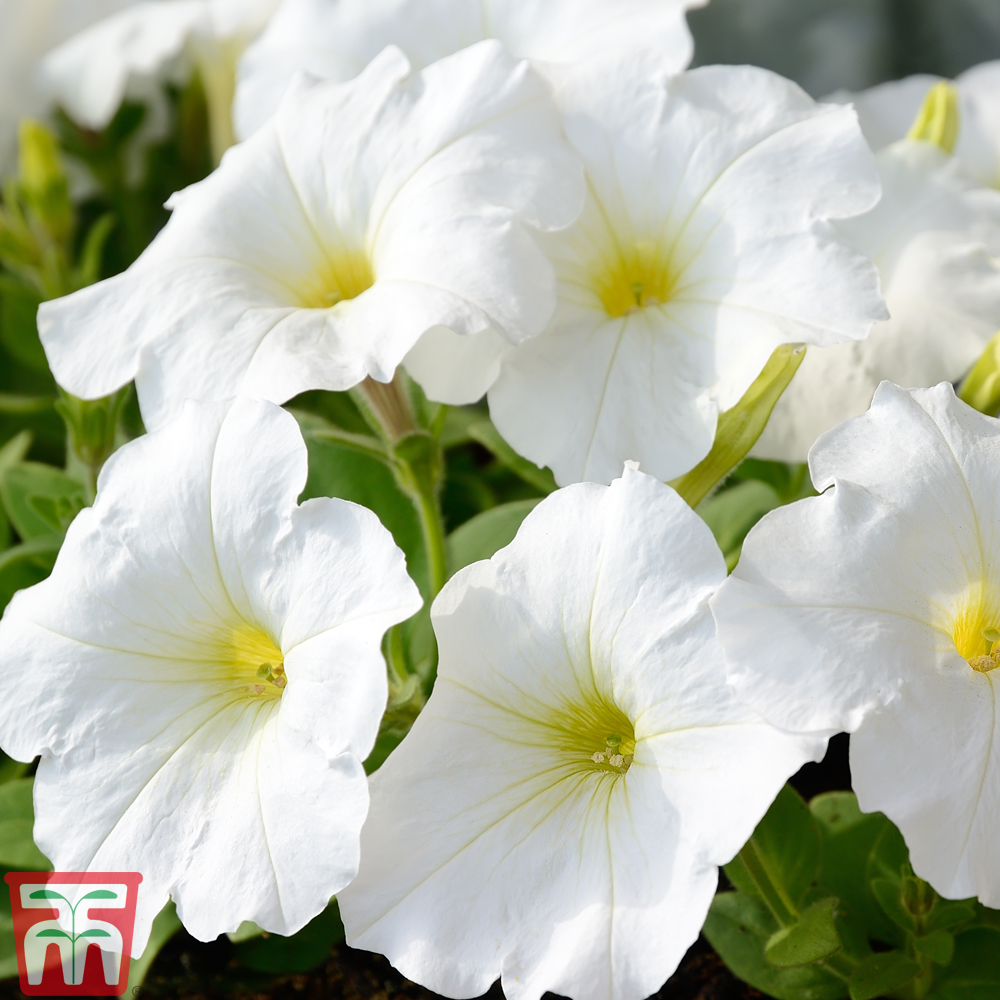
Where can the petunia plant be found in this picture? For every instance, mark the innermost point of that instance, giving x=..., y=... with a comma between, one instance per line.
x=456, y=520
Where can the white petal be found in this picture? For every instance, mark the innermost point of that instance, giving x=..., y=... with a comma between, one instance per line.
x=932, y=764
x=29, y=29
x=335, y=39
x=488, y=852
x=978, y=143
x=851, y=593
x=724, y=177
x=89, y=73
x=936, y=239
x=436, y=179
x=155, y=757
x=454, y=369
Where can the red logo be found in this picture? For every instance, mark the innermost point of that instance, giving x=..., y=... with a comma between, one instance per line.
x=73, y=931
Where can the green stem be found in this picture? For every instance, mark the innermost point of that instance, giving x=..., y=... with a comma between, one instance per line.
x=388, y=410
x=781, y=907
x=395, y=658
x=432, y=529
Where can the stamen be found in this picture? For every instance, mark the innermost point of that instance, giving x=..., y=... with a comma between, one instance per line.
x=991, y=635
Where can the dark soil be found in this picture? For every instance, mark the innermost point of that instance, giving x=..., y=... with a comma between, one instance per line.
x=189, y=970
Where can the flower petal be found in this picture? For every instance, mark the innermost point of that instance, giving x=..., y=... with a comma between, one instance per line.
x=164, y=748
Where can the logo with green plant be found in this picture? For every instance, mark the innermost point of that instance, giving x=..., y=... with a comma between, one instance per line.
x=73, y=912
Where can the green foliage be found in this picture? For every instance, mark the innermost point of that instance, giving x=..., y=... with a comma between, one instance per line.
x=489, y=437
x=827, y=905
x=810, y=939
x=298, y=953
x=17, y=816
x=40, y=500
x=879, y=975
x=486, y=533
x=739, y=927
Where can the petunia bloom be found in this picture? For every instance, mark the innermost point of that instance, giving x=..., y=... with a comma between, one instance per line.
x=556, y=815
x=335, y=39
x=874, y=608
x=29, y=29
x=887, y=111
x=92, y=72
x=935, y=237
x=322, y=249
x=201, y=675
x=704, y=244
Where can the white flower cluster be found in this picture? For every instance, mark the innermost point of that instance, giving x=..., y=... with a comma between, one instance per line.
x=532, y=200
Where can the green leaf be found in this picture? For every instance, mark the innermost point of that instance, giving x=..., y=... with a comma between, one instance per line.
x=17, y=817
x=486, y=533
x=738, y=928
x=298, y=953
x=813, y=938
x=733, y=512
x=52, y=932
x=10, y=768
x=787, y=842
x=18, y=330
x=974, y=972
x=10, y=454
x=739, y=427
x=336, y=470
x=948, y=914
x=880, y=974
x=26, y=564
x=889, y=857
x=94, y=931
x=489, y=437
x=938, y=946
x=8, y=955
x=39, y=499
x=890, y=899
x=100, y=894
x=848, y=837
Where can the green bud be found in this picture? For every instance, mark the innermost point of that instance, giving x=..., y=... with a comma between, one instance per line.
x=43, y=180
x=939, y=118
x=918, y=897
x=739, y=427
x=981, y=387
x=614, y=741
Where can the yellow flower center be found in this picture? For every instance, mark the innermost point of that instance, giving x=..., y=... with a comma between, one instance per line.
x=634, y=277
x=341, y=277
x=976, y=630
x=596, y=736
x=254, y=663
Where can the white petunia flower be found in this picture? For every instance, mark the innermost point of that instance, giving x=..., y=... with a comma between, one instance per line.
x=873, y=608
x=705, y=243
x=92, y=72
x=887, y=111
x=935, y=237
x=556, y=815
x=29, y=29
x=322, y=249
x=336, y=39
x=202, y=676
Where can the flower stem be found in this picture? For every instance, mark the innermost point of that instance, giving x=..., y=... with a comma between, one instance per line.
x=432, y=529
x=416, y=460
